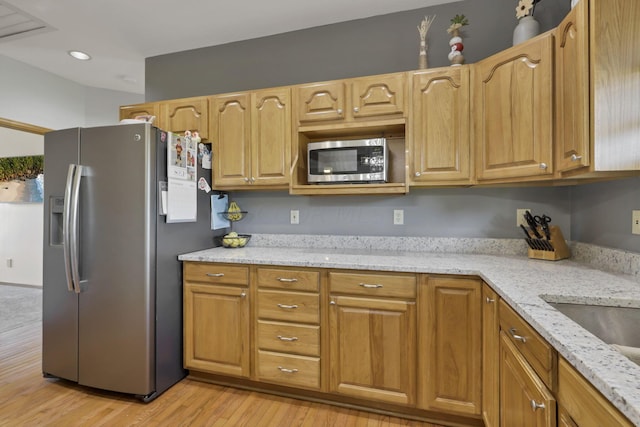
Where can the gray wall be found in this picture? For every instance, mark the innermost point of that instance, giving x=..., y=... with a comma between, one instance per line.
x=594, y=213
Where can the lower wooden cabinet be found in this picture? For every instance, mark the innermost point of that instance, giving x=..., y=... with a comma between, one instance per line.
x=216, y=325
x=490, y=357
x=449, y=345
x=525, y=401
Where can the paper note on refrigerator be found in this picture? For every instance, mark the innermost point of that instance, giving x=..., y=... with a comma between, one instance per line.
x=182, y=174
x=219, y=203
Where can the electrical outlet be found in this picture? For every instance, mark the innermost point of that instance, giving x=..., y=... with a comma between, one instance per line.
x=398, y=217
x=635, y=224
x=295, y=216
x=520, y=217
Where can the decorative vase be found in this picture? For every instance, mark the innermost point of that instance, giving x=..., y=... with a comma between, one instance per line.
x=455, y=54
x=527, y=27
x=574, y=3
x=422, y=58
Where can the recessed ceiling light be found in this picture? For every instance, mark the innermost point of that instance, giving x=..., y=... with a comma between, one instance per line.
x=80, y=55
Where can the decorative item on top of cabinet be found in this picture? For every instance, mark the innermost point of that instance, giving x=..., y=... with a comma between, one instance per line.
x=449, y=344
x=513, y=112
x=455, y=54
x=372, y=336
x=216, y=318
x=423, y=28
x=528, y=26
x=251, y=139
x=186, y=114
x=597, y=125
x=441, y=149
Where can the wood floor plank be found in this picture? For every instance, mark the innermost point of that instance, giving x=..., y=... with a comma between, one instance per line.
x=27, y=399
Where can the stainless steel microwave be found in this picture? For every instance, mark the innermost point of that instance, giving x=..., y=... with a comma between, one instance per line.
x=348, y=161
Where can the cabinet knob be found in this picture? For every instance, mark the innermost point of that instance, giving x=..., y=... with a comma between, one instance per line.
x=287, y=371
x=418, y=174
x=535, y=405
x=517, y=337
x=339, y=111
x=543, y=166
x=253, y=180
x=490, y=300
x=332, y=302
x=243, y=294
x=246, y=179
x=575, y=157
x=356, y=110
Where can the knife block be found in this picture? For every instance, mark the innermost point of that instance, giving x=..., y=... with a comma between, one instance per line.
x=559, y=250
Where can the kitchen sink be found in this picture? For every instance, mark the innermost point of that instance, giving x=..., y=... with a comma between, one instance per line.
x=613, y=325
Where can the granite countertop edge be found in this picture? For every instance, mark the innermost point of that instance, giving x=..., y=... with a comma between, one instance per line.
x=520, y=281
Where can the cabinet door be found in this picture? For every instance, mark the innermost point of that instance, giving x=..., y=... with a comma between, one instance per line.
x=231, y=139
x=490, y=358
x=378, y=96
x=372, y=348
x=513, y=111
x=572, y=90
x=319, y=102
x=271, y=137
x=190, y=114
x=524, y=399
x=216, y=329
x=441, y=151
x=450, y=345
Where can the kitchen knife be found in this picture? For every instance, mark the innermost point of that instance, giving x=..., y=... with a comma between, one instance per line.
x=532, y=224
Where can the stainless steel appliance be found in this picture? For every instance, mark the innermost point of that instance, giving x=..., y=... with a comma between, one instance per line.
x=112, y=283
x=361, y=160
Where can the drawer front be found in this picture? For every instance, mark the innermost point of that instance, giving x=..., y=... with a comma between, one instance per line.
x=535, y=349
x=296, y=307
x=209, y=272
x=381, y=285
x=289, y=338
x=289, y=279
x=298, y=371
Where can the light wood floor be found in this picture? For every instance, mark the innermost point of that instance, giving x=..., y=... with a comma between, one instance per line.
x=27, y=399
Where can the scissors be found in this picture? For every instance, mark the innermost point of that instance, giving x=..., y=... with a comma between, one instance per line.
x=544, y=221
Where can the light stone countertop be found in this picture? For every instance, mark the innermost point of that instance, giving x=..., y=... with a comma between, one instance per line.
x=520, y=281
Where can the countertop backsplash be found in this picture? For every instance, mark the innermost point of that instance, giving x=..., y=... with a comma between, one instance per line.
x=602, y=258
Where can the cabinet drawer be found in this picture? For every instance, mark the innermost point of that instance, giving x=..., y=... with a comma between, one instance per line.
x=299, y=371
x=535, y=349
x=382, y=285
x=289, y=306
x=209, y=272
x=288, y=279
x=289, y=338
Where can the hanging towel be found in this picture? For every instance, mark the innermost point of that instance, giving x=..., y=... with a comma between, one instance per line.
x=633, y=353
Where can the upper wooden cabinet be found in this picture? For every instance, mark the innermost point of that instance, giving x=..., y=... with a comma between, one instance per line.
x=251, y=136
x=187, y=114
x=513, y=112
x=363, y=98
x=147, y=109
x=440, y=124
x=597, y=87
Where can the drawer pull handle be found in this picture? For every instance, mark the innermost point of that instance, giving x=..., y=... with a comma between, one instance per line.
x=575, y=157
x=290, y=339
x=536, y=406
x=215, y=274
x=285, y=280
x=289, y=307
x=371, y=285
x=287, y=371
x=490, y=300
x=516, y=337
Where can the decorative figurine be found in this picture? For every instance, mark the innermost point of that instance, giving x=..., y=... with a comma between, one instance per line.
x=455, y=55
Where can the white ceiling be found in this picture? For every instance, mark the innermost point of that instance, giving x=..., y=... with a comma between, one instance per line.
x=120, y=34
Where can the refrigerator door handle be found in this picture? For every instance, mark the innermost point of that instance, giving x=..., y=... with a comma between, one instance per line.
x=66, y=214
x=73, y=227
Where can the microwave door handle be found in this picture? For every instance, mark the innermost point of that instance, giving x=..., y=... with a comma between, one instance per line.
x=73, y=226
x=66, y=214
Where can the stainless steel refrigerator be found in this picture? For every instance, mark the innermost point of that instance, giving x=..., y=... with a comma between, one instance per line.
x=112, y=283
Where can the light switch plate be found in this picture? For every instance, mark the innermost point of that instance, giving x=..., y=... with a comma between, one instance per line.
x=295, y=216
x=635, y=225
